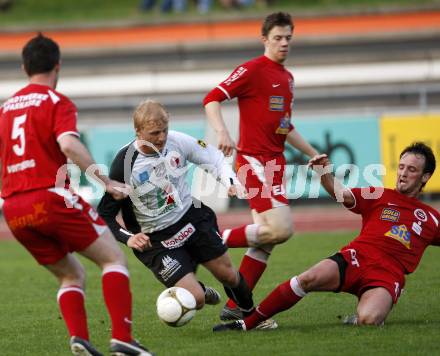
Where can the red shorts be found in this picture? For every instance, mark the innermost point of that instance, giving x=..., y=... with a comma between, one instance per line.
x=368, y=268
x=263, y=178
x=44, y=224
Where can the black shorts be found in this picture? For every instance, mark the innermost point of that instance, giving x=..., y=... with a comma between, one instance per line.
x=178, y=249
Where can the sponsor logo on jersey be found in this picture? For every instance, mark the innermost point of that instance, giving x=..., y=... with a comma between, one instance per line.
x=201, y=143
x=179, y=239
x=21, y=166
x=143, y=177
x=401, y=234
x=421, y=215
x=389, y=214
x=276, y=103
x=417, y=228
x=24, y=101
x=36, y=218
x=234, y=76
x=284, y=127
x=170, y=266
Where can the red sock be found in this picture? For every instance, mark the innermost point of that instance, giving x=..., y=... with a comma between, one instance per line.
x=242, y=236
x=281, y=298
x=251, y=270
x=117, y=296
x=235, y=237
x=71, y=302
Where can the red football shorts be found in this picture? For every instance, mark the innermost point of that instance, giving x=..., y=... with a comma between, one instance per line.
x=368, y=268
x=263, y=178
x=50, y=223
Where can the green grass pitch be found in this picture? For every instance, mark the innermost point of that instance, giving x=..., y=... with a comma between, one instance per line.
x=30, y=323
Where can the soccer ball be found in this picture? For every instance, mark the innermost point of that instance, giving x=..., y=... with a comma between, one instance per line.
x=176, y=306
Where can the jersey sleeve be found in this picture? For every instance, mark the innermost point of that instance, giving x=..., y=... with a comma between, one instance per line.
x=207, y=157
x=436, y=240
x=239, y=82
x=65, y=119
x=109, y=207
x=361, y=204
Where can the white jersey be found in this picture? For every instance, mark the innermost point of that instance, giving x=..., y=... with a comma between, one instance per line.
x=161, y=194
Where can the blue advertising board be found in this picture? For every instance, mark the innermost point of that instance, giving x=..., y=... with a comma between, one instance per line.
x=352, y=144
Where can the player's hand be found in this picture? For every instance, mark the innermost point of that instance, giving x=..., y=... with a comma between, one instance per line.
x=225, y=143
x=321, y=160
x=139, y=242
x=117, y=190
x=237, y=190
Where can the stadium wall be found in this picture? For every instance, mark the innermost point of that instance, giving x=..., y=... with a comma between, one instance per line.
x=363, y=149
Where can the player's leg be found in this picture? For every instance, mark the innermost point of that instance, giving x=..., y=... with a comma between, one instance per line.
x=233, y=282
x=324, y=276
x=264, y=181
x=79, y=227
x=70, y=297
x=105, y=252
x=53, y=254
x=190, y=283
x=374, y=306
x=274, y=226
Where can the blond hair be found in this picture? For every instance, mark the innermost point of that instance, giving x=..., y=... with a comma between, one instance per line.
x=147, y=111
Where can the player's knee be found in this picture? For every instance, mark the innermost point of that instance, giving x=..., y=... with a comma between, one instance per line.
x=370, y=318
x=307, y=280
x=120, y=258
x=76, y=276
x=281, y=234
x=113, y=257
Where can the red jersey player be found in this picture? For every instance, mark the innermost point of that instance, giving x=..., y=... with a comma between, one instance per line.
x=396, y=230
x=37, y=135
x=264, y=88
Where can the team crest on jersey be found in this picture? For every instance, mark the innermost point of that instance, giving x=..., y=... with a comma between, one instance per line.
x=284, y=127
x=389, y=214
x=201, y=143
x=401, y=234
x=421, y=215
x=276, y=103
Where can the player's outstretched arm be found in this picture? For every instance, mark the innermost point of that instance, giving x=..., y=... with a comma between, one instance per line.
x=295, y=139
x=215, y=118
x=72, y=147
x=321, y=164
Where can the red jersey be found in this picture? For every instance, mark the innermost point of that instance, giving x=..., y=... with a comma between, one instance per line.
x=264, y=89
x=400, y=226
x=31, y=122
